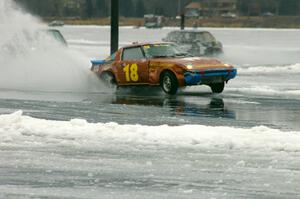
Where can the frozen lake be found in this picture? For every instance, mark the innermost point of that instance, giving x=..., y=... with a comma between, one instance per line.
x=63, y=135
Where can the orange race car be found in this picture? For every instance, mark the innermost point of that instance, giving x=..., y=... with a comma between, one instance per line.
x=162, y=64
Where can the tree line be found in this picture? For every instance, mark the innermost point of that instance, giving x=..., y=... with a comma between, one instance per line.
x=137, y=8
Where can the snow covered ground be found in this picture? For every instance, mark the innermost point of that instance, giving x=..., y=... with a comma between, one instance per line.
x=77, y=159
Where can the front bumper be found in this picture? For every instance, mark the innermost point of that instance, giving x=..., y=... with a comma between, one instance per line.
x=209, y=76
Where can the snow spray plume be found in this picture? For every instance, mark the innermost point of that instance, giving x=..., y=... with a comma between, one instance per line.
x=30, y=59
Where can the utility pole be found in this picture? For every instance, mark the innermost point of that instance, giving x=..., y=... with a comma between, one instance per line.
x=182, y=15
x=182, y=21
x=114, y=33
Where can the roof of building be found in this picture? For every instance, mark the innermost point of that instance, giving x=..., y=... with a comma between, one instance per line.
x=194, y=5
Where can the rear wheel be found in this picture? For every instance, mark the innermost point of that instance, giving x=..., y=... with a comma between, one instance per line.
x=108, y=79
x=169, y=83
x=217, y=87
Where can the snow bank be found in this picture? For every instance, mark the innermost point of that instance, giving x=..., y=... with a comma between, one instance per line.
x=19, y=130
x=290, y=69
x=268, y=91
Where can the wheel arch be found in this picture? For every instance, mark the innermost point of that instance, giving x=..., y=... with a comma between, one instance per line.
x=167, y=70
x=169, y=82
x=107, y=71
x=100, y=75
x=179, y=76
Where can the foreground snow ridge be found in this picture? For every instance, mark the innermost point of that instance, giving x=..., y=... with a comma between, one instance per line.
x=24, y=131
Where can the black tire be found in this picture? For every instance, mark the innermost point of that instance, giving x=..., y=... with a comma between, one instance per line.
x=217, y=87
x=108, y=79
x=169, y=83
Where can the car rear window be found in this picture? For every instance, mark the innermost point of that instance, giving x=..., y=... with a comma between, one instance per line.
x=188, y=37
x=135, y=53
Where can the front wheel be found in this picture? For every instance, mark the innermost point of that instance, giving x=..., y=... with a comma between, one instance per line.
x=217, y=87
x=108, y=79
x=169, y=83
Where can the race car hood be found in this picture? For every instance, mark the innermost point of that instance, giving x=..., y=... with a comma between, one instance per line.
x=192, y=63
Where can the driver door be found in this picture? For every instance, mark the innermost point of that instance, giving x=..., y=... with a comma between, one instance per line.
x=133, y=67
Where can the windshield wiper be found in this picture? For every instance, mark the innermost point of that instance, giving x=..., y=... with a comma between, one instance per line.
x=181, y=54
x=160, y=56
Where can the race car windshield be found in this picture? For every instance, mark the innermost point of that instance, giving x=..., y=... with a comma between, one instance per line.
x=163, y=50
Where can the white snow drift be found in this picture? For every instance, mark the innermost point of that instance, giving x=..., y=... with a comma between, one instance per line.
x=266, y=70
x=19, y=130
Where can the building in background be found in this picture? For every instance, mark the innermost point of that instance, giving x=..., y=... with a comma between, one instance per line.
x=209, y=8
x=194, y=9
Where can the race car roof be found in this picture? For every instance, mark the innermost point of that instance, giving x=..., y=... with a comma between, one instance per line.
x=135, y=44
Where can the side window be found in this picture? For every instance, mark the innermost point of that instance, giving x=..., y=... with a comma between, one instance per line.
x=132, y=54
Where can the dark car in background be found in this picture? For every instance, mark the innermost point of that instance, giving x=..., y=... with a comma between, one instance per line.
x=197, y=43
x=56, y=23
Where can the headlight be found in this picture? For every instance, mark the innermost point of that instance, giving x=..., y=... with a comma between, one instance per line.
x=189, y=66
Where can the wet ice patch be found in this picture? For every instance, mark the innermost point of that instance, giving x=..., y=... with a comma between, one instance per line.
x=27, y=131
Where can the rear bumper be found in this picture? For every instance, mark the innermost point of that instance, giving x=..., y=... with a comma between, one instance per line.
x=209, y=76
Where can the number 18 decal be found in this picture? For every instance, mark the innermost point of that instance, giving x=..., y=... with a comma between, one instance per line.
x=131, y=72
